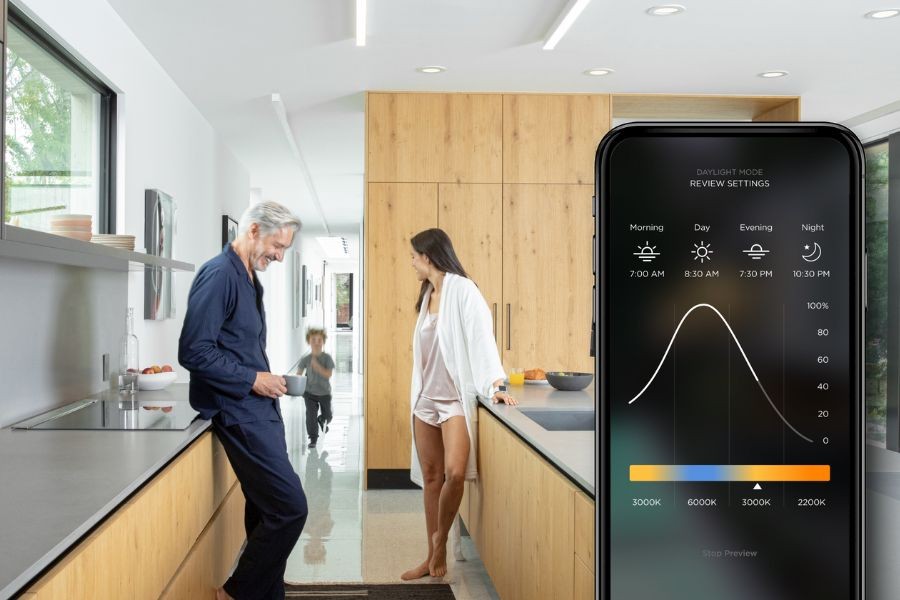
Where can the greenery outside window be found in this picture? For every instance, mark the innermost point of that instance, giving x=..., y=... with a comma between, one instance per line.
x=59, y=132
x=877, y=333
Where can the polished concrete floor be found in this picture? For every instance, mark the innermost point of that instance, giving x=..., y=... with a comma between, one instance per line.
x=883, y=524
x=354, y=535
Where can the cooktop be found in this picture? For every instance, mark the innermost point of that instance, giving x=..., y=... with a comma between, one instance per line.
x=113, y=411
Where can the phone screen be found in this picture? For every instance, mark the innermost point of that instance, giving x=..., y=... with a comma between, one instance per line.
x=731, y=293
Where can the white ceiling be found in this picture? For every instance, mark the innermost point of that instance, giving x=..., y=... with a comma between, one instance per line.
x=229, y=57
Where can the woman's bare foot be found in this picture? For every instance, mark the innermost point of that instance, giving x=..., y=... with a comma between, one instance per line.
x=437, y=567
x=221, y=594
x=417, y=572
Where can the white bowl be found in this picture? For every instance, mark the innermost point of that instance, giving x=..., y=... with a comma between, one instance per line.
x=157, y=381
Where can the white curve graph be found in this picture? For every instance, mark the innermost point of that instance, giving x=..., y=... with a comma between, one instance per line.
x=744, y=354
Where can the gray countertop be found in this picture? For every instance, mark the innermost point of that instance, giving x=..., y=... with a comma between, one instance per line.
x=58, y=484
x=572, y=452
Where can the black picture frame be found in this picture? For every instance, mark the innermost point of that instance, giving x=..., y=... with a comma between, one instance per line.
x=229, y=230
x=296, y=298
x=305, y=290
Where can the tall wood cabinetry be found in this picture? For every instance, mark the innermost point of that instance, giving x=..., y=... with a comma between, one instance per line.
x=510, y=178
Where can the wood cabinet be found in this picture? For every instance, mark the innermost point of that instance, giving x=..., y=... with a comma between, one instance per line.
x=434, y=137
x=138, y=549
x=524, y=516
x=209, y=562
x=552, y=138
x=472, y=215
x=394, y=213
x=547, y=279
x=584, y=529
x=585, y=582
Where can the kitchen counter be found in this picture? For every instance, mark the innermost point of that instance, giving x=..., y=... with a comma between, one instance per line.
x=571, y=452
x=58, y=484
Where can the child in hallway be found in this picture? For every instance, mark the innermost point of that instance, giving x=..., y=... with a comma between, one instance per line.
x=318, y=367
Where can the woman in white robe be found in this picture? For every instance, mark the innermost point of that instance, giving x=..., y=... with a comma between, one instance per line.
x=455, y=359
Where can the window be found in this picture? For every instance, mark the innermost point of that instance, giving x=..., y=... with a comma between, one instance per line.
x=876, y=350
x=59, y=134
x=343, y=299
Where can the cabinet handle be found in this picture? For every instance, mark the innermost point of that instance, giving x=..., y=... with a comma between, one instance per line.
x=495, y=321
x=508, y=330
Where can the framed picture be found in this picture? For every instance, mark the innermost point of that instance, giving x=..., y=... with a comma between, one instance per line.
x=229, y=229
x=305, y=297
x=295, y=289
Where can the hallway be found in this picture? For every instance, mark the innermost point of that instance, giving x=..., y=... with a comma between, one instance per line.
x=354, y=535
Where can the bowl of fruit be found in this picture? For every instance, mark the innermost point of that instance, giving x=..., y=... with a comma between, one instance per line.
x=156, y=378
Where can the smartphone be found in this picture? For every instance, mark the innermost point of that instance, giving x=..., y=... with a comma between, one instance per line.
x=731, y=269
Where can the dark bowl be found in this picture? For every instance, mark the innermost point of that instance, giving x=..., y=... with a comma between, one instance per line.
x=568, y=381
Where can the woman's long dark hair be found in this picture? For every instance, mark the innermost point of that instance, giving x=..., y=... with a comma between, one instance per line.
x=436, y=245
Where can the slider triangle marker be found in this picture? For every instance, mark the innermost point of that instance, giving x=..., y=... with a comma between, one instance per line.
x=757, y=487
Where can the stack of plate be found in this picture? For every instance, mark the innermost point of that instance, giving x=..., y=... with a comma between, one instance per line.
x=125, y=242
x=77, y=227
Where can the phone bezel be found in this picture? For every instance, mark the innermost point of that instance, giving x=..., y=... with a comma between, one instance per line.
x=856, y=157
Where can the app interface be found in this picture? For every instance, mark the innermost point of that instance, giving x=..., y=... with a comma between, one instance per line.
x=731, y=383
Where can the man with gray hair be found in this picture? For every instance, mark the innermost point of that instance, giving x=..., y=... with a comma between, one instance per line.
x=223, y=345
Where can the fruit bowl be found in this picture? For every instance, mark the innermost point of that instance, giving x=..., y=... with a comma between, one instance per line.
x=156, y=381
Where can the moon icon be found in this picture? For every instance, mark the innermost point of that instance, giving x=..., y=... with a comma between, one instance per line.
x=813, y=256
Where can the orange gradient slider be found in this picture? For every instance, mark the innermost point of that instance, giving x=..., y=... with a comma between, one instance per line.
x=730, y=473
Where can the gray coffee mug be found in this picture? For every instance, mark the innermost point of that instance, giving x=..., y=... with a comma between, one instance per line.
x=296, y=384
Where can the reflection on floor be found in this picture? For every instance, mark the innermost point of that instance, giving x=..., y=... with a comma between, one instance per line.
x=353, y=535
x=883, y=524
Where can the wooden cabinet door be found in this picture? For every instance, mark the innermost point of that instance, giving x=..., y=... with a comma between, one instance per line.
x=547, y=277
x=552, y=138
x=394, y=213
x=434, y=137
x=471, y=214
x=584, y=582
x=526, y=513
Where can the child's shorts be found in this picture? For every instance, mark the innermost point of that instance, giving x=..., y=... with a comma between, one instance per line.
x=435, y=412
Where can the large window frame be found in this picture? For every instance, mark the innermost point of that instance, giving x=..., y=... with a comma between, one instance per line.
x=892, y=400
x=106, y=209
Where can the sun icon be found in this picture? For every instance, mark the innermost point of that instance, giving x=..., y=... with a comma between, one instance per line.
x=702, y=252
x=646, y=253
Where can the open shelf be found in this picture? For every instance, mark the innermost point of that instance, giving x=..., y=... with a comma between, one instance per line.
x=29, y=244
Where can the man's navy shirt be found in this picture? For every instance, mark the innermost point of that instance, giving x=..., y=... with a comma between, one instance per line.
x=223, y=342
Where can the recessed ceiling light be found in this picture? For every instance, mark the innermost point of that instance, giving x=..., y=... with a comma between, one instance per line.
x=773, y=74
x=334, y=246
x=665, y=10
x=432, y=69
x=600, y=71
x=886, y=13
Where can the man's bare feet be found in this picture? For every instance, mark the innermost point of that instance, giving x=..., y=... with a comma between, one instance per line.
x=437, y=567
x=221, y=594
x=417, y=572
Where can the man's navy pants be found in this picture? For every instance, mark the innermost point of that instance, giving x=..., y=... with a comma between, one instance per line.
x=276, y=506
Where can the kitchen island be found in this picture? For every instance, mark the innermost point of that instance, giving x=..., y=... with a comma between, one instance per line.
x=571, y=452
x=81, y=506
x=531, y=512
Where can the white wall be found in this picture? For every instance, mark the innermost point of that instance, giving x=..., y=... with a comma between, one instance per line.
x=163, y=142
x=285, y=343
